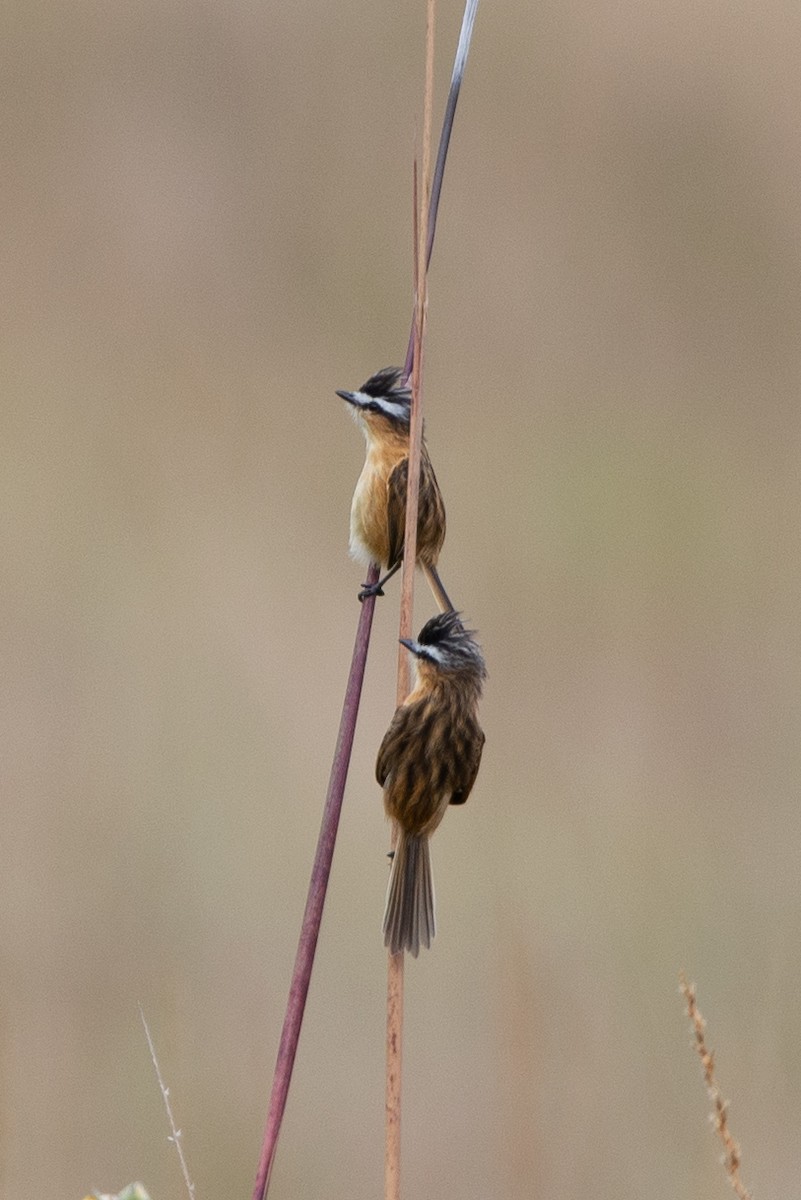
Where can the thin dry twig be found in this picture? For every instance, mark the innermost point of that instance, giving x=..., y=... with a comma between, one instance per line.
x=720, y=1108
x=175, y=1133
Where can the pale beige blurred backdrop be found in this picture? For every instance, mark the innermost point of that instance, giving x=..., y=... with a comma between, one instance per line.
x=206, y=230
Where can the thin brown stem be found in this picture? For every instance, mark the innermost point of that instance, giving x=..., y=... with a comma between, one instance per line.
x=394, y=1044
x=321, y=869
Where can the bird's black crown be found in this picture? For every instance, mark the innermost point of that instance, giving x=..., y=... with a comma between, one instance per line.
x=386, y=383
x=452, y=646
x=442, y=628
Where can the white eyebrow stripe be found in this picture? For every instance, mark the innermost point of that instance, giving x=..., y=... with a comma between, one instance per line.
x=433, y=652
x=401, y=411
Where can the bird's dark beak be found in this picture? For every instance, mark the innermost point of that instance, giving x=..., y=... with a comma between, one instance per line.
x=409, y=644
x=348, y=396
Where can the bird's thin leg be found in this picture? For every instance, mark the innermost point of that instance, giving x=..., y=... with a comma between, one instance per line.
x=438, y=588
x=376, y=589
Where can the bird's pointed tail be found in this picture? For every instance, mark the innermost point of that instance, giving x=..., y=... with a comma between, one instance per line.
x=409, y=915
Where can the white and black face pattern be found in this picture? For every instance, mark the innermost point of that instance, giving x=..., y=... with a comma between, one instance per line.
x=382, y=394
x=446, y=643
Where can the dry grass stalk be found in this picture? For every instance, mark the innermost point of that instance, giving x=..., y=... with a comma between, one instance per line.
x=175, y=1133
x=720, y=1108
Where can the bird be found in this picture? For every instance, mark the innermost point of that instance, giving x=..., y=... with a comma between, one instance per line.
x=382, y=409
x=428, y=760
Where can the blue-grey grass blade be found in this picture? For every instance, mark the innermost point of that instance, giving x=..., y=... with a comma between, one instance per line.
x=459, y=64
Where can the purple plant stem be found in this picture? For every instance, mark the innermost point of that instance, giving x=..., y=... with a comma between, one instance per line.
x=321, y=868
x=318, y=884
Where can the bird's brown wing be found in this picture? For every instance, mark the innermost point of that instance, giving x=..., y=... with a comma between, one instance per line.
x=396, y=511
x=395, y=740
x=430, y=513
x=472, y=750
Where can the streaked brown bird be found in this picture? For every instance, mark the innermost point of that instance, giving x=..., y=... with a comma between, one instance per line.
x=382, y=409
x=429, y=759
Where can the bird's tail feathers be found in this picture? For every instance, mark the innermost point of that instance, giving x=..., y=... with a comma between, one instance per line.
x=409, y=915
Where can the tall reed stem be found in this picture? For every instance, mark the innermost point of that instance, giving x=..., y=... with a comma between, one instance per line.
x=394, y=1043
x=304, y=959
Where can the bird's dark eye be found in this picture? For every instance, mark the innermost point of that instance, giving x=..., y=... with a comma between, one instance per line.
x=373, y=407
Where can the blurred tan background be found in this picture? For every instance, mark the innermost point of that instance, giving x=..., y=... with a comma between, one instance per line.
x=206, y=217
